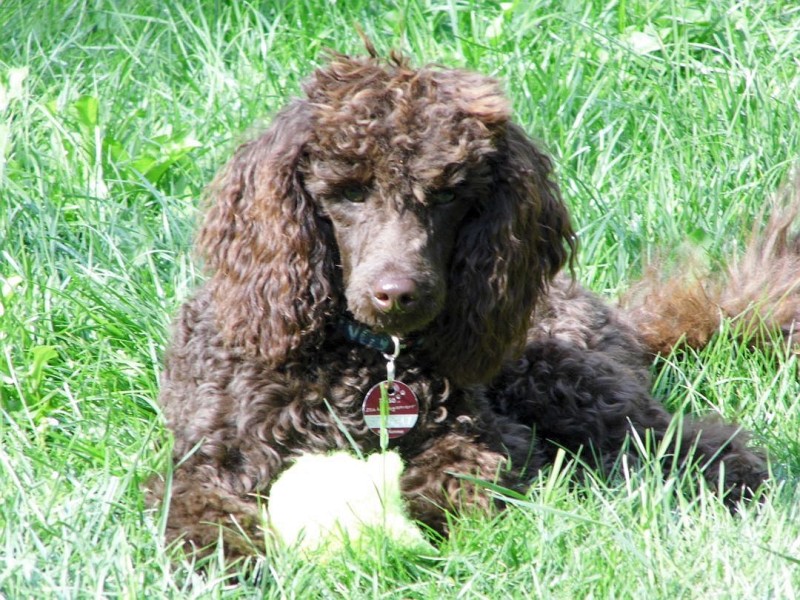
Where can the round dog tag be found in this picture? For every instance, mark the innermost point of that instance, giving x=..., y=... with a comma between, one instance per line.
x=403, y=408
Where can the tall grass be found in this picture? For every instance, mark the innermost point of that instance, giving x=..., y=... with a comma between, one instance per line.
x=671, y=122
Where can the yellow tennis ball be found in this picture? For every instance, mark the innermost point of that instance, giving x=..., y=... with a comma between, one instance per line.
x=321, y=501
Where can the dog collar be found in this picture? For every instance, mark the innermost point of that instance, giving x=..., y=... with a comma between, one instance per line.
x=361, y=334
x=391, y=407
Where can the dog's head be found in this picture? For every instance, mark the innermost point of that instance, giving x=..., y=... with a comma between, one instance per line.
x=404, y=197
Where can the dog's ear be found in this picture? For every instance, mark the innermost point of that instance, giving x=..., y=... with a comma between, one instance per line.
x=518, y=237
x=268, y=251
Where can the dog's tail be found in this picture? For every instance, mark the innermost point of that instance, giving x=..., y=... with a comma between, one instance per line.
x=758, y=293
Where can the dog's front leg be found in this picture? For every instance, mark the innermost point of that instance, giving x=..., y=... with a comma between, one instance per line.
x=446, y=477
x=204, y=511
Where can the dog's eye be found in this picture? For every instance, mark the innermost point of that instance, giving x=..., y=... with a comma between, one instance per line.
x=442, y=197
x=354, y=193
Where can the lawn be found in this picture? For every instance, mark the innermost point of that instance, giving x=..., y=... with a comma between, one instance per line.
x=671, y=124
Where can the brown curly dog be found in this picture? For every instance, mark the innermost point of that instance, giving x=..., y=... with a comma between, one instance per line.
x=391, y=201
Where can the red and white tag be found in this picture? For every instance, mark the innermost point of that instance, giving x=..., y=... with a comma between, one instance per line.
x=403, y=409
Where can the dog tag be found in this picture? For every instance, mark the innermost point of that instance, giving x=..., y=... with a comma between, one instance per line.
x=402, y=413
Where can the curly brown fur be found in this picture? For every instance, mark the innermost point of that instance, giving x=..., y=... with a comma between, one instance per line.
x=406, y=200
x=759, y=291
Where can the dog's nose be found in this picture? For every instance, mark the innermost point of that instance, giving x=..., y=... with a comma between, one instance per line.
x=395, y=294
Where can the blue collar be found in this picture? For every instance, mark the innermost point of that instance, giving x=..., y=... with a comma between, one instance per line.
x=361, y=334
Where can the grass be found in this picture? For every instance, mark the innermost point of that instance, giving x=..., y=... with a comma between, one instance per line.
x=669, y=122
